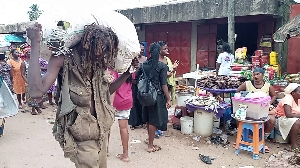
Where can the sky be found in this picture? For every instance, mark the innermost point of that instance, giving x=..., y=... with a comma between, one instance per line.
x=14, y=11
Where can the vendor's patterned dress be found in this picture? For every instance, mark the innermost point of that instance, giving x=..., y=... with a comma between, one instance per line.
x=5, y=74
x=18, y=81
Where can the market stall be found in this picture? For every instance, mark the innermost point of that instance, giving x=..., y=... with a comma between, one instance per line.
x=205, y=109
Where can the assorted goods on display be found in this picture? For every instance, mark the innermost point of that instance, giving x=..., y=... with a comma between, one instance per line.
x=220, y=82
x=209, y=102
x=251, y=106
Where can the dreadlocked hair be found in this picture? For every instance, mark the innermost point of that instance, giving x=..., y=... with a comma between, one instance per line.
x=100, y=46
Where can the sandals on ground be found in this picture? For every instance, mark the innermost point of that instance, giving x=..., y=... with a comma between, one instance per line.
x=205, y=159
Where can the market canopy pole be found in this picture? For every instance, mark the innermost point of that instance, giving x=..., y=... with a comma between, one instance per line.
x=231, y=29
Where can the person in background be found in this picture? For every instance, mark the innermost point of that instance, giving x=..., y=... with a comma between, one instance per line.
x=171, y=77
x=156, y=116
x=33, y=103
x=171, y=71
x=135, y=118
x=288, y=113
x=258, y=84
x=123, y=102
x=44, y=65
x=18, y=81
x=6, y=75
x=6, y=72
x=225, y=60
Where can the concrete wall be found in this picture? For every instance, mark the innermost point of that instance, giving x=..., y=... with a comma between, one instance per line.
x=198, y=10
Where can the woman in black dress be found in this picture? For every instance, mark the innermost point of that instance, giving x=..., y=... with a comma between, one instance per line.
x=156, y=116
x=135, y=118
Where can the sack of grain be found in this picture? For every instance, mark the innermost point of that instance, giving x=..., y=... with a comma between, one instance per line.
x=63, y=40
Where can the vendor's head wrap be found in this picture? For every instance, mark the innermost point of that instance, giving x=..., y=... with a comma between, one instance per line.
x=291, y=88
x=259, y=70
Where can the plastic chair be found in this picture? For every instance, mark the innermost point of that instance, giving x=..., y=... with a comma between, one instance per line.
x=250, y=137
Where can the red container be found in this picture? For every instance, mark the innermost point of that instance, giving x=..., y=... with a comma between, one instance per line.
x=255, y=64
x=264, y=60
x=259, y=53
x=256, y=59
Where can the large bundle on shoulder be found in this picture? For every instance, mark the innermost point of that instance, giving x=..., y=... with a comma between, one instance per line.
x=70, y=31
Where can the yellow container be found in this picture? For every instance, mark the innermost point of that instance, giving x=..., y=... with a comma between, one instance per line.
x=273, y=58
x=277, y=69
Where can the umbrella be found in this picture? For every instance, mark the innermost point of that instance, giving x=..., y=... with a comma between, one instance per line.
x=290, y=29
x=14, y=38
x=4, y=44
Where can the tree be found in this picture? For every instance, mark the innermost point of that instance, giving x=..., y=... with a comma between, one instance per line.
x=35, y=12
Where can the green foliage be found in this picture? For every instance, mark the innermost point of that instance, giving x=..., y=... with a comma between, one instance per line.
x=34, y=13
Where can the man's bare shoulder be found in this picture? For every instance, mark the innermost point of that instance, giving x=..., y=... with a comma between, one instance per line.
x=57, y=61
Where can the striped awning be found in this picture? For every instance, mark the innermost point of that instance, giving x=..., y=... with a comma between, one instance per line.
x=290, y=29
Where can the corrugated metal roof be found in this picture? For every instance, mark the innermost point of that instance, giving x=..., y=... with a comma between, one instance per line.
x=147, y=3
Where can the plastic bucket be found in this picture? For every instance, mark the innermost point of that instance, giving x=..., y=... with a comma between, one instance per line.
x=279, y=139
x=203, y=123
x=181, y=98
x=187, y=124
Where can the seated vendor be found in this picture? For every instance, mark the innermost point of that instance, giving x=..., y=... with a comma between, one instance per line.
x=256, y=85
x=288, y=113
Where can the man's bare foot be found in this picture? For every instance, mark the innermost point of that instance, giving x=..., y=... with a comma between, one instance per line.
x=122, y=157
x=155, y=148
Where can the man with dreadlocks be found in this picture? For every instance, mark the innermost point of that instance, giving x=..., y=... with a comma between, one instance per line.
x=84, y=114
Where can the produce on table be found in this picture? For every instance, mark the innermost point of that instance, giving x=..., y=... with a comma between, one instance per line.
x=184, y=89
x=293, y=78
x=209, y=102
x=219, y=82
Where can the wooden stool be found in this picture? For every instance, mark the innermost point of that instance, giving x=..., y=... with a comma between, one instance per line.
x=252, y=144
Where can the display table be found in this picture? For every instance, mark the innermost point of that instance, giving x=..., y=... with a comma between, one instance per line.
x=191, y=108
x=219, y=91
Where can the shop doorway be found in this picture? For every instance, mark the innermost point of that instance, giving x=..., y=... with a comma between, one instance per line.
x=247, y=34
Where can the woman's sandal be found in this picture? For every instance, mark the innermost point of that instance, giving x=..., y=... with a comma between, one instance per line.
x=205, y=159
x=132, y=127
x=154, y=149
x=33, y=112
x=267, y=150
x=120, y=157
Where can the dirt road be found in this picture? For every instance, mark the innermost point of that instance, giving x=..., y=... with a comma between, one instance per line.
x=28, y=143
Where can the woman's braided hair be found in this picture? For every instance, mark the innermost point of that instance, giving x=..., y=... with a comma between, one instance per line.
x=99, y=43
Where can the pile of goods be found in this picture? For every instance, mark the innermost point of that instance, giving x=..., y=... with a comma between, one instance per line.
x=240, y=55
x=293, y=78
x=209, y=102
x=184, y=89
x=220, y=82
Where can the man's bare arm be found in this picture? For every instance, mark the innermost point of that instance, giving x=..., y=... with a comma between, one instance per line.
x=37, y=85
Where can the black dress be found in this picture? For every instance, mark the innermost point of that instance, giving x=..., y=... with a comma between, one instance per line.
x=136, y=113
x=156, y=114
